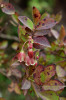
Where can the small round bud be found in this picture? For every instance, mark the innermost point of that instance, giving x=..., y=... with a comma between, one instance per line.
x=37, y=57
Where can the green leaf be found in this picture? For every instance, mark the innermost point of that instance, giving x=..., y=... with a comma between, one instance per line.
x=37, y=74
x=49, y=72
x=45, y=15
x=50, y=58
x=26, y=21
x=48, y=95
x=58, y=17
x=42, y=75
x=15, y=18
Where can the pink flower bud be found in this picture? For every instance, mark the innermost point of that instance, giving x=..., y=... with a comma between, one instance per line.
x=27, y=60
x=30, y=53
x=30, y=45
x=21, y=56
x=37, y=57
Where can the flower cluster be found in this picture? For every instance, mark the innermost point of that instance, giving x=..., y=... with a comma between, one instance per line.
x=29, y=57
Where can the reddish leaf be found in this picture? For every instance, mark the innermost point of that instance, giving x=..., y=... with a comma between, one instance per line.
x=14, y=71
x=42, y=41
x=36, y=75
x=62, y=33
x=28, y=31
x=49, y=72
x=36, y=15
x=42, y=75
x=25, y=84
x=38, y=46
x=42, y=32
x=53, y=85
x=46, y=24
x=8, y=8
x=55, y=33
x=60, y=71
x=45, y=95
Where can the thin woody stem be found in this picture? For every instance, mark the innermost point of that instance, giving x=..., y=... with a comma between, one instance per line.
x=57, y=54
x=24, y=44
x=9, y=37
x=60, y=61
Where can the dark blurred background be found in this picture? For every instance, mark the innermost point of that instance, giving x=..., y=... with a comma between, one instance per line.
x=8, y=33
x=51, y=6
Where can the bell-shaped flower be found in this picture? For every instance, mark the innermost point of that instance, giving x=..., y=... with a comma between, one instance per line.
x=21, y=56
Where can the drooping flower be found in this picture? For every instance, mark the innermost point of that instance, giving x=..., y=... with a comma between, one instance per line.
x=27, y=60
x=21, y=56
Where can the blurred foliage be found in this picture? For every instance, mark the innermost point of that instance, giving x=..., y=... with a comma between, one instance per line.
x=8, y=46
x=42, y=5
